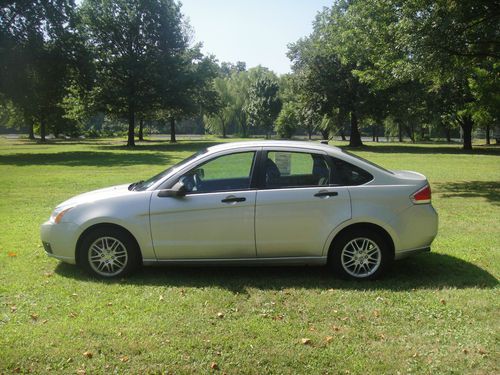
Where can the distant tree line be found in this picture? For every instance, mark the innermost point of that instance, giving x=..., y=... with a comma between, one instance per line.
x=404, y=69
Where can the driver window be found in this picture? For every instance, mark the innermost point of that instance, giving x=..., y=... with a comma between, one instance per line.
x=227, y=172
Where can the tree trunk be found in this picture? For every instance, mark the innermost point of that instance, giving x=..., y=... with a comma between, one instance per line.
x=29, y=121
x=488, y=140
x=141, y=129
x=374, y=133
x=223, y=130
x=172, y=130
x=466, y=124
x=325, y=133
x=400, y=132
x=355, y=138
x=447, y=133
x=342, y=134
x=42, y=129
x=309, y=133
x=131, y=127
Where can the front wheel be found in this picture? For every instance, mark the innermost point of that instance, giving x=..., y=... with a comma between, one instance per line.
x=108, y=253
x=360, y=255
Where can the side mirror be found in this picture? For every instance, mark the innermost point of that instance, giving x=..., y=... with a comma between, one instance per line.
x=178, y=190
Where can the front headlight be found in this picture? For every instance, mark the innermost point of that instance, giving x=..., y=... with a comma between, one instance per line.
x=58, y=214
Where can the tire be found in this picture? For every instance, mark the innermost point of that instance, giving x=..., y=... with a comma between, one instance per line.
x=108, y=252
x=360, y=255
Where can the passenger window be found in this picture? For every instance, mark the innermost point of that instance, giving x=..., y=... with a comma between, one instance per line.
x=346, y=174
x=227, y=172
x=295, y=169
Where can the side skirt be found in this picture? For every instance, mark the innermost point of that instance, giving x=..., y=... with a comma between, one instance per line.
x=281, y=261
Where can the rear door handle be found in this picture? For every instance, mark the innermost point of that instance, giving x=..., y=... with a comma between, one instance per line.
x=232, y=198
x=326, y=193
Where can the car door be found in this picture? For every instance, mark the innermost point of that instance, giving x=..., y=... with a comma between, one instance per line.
x=297, y=207
x=215, y=219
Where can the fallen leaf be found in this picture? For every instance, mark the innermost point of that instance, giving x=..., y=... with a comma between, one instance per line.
x=443, y=302
x=124, y=358
x=72, y=314
x=312, y=329
x=120, y=334
x=74, y=295
x=482, y=351
x=13, y=308
x=48, y=274
x=87, y=354
x=376, y=313
x=465, y=351
x=11, y=254
x=81, y=371
x=305, y=341
x=335, y=328
x=34, y=316
x=328, y=338
x=69, y=360
x=109, y=304
x=214, y=366
x=44, y=321
x=160, y=298
x=220, y=315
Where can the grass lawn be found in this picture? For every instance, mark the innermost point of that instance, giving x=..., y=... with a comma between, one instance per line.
x=434, y=313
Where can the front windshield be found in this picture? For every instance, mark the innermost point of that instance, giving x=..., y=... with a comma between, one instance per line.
x=143, y=185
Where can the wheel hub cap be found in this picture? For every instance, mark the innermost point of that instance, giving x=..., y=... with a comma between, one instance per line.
x=361, y=257
x=107, y=256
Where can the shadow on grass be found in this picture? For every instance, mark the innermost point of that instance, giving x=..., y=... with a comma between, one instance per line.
x=84, y=158
x=155, y=145
x=424, y=148
x=489, y=190
x=427, y=271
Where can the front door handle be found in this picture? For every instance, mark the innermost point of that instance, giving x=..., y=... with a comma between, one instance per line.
x=326, y=193
x=232, y=198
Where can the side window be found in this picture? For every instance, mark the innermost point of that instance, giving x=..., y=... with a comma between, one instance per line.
x=295, y=169
x=227, y=172
x=346, y=174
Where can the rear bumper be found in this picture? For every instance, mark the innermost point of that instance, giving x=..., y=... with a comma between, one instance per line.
x=417, y=227
x=59, y=240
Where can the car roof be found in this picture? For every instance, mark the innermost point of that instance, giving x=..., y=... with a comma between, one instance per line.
x=275, y=143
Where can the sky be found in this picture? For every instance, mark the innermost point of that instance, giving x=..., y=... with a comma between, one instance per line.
x=254, y=31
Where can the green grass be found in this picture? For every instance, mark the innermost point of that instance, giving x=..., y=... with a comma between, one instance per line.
x=434, y=313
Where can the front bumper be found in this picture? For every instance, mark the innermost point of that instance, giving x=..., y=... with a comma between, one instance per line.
x=59, y=240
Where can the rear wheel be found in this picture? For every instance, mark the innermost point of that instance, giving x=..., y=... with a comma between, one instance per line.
x=108, y=252
x=360, y=255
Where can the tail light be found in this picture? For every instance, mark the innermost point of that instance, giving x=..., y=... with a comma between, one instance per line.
x=422, y=195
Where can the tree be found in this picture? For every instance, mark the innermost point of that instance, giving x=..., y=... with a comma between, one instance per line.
x=37, y=52
x=138, y=47
x=191, y=92
x=263, y=104
x=287, y=121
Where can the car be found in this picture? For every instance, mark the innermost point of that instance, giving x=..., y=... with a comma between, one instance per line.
x=250, y=203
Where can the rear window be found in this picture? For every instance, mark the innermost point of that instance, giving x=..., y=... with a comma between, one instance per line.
x=346, y=174
x=367, y=161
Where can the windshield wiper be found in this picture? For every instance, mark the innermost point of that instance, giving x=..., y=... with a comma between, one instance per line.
x=135, y=184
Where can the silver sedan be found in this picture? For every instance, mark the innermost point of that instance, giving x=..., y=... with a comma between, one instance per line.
x=262, y=203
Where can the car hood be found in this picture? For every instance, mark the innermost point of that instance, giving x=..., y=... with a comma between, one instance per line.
x=96, y=195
